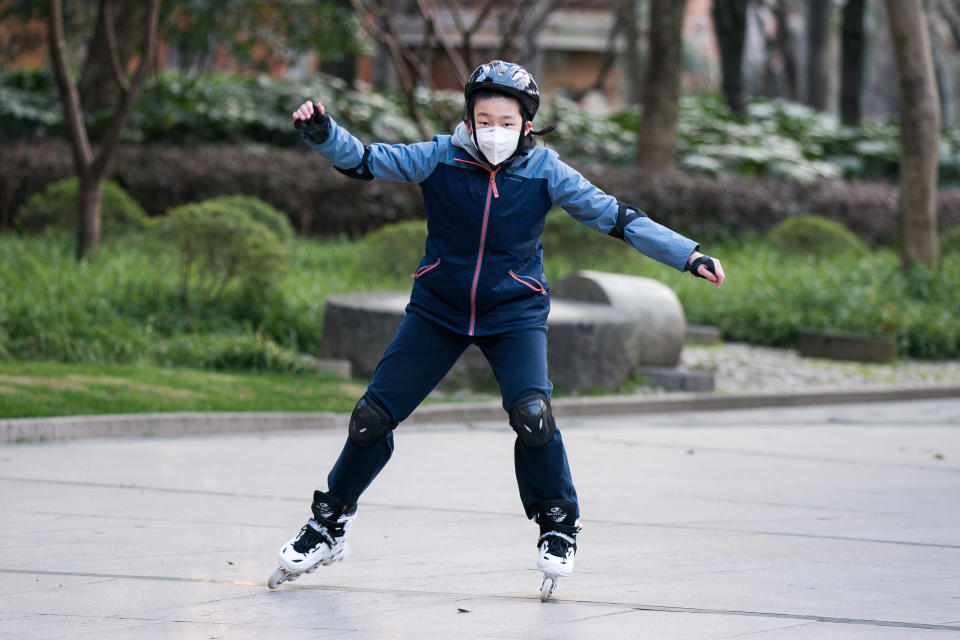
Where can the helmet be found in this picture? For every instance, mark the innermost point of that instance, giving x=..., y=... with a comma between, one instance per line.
x=508, y=78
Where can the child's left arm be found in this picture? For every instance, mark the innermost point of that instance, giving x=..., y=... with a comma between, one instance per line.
x=598, y=210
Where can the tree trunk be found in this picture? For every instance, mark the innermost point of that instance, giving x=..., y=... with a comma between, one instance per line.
x=657, y=136
x=920, y=129
x=91, y=168
x=632, y=52
x=786, y=47
x=818, y=54
x=116, y=21
x=852, y=62
x=730, y=27
x=942, y=68
x=89, y=195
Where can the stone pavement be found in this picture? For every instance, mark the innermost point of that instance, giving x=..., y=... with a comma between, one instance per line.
x=797, y=523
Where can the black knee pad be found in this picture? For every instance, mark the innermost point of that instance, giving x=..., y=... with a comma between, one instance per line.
x=532, y=419
x=370, y=422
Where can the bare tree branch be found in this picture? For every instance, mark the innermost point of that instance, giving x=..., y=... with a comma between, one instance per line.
x=951, y=13
x=620, y=18
x=106, y=14
x=72, y=115
x=120, y=114
x=399, y=54
x=429, y=11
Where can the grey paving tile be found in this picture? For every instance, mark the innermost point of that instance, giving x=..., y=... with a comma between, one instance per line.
x=755, y=524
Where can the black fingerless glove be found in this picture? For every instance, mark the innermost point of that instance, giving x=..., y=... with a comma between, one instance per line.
x=317, y=128
x=707, y=261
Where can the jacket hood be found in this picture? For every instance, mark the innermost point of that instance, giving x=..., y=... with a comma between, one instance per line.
x=463, y=140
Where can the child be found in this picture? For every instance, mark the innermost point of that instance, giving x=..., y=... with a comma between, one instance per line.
x=487, y=190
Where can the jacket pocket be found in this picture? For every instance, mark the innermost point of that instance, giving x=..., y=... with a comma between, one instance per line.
x=530, y=282
x=424, y=269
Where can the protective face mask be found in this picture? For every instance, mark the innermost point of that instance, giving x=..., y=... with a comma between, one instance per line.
x=497, y=143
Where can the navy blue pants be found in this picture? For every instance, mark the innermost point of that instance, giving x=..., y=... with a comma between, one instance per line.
x=419, y=357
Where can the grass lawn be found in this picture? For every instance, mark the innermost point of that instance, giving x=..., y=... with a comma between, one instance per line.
x=54, y=389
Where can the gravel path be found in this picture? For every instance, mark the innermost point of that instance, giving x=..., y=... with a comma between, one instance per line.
x=742, y=368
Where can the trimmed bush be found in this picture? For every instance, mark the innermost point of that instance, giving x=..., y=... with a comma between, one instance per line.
x=243, y=351
x=260, y=212
x=56, y=208
x=220, y=248
x=814, y=236
x=324, y=202
x=394, y=250
x=950, y=241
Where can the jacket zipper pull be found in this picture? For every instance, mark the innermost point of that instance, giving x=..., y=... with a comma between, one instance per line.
x=493, y=183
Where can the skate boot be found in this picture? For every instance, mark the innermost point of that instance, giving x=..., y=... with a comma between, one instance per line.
x=557, y=544
x=322, y=541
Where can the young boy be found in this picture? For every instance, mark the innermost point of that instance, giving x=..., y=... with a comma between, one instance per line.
x=487, y=190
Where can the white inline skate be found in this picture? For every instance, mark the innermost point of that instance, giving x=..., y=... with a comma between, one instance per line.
x=322, y=541
x=557, y=545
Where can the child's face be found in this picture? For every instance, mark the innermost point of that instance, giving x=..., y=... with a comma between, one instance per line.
x=498, y=111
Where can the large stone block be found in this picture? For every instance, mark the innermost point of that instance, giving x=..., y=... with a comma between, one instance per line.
x=590, y=346
x=652, y=305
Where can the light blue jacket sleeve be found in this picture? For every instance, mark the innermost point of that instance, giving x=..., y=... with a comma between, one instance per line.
x=598, y=210
x=398, y=162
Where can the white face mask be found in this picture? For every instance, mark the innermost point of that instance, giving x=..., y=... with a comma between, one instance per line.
x=497, y=143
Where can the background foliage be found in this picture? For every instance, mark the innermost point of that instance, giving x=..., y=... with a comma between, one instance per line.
x=122, y=308
x=779, y=139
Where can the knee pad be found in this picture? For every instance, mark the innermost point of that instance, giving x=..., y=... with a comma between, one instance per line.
x=370, y=422
x=532, y=419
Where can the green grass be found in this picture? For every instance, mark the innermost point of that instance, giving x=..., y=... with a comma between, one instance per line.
x=57, y=389
x=110, y=334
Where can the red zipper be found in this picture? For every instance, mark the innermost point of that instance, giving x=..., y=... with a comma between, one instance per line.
x=492, y=189
x=422, y=270
x=525, y=280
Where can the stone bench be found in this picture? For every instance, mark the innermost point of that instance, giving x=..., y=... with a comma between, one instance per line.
x=585, y=341
x=603, y=328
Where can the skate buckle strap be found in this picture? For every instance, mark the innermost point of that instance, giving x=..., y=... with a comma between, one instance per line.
x=325, y=532
x=556, y=534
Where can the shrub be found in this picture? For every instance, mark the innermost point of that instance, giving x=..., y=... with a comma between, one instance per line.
x=565, y=240
x=814, y=236
x=221, y=248
x=324, y=202
x=242, y=351
x=260, y=212
x=56, y=208
x=950, y=241
x=394, y=250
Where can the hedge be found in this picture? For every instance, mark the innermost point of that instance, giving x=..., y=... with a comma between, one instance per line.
x=319, y=200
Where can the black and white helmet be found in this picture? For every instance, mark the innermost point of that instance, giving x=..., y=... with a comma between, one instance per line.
x=508, y=78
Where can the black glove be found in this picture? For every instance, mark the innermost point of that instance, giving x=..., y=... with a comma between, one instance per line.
x=707, y=261
x=317, y=128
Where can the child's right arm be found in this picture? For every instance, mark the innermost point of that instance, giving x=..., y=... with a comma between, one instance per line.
x=349, y=156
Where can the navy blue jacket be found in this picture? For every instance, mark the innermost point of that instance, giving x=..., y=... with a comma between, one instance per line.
x=482, y=272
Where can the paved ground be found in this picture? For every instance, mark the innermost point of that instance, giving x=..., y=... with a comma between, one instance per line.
x=805, y=523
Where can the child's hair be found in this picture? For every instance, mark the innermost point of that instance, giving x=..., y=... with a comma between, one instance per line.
x=526, y=140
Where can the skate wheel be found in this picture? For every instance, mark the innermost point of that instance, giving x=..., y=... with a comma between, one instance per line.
x=278, y=577
x=546, y=587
